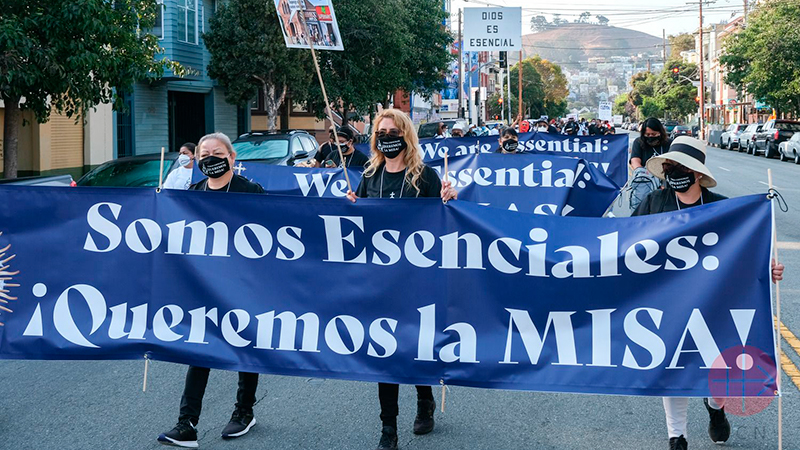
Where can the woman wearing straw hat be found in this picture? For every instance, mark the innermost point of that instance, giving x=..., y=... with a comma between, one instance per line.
x=395, y=170
x=687, y=181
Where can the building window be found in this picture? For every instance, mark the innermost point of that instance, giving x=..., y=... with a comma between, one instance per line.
x=187, y=21
x=158, y=27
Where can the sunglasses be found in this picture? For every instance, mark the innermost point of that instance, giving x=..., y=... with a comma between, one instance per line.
x=391, y=133
x=671, y=166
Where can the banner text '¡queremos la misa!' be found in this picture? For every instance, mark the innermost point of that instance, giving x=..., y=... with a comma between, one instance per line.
x=347, y=241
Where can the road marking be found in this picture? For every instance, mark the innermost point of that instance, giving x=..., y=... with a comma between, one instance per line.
x=726, y=170
x=767, y=184
x=790, y=370
x=785, y=245
x=786, y=363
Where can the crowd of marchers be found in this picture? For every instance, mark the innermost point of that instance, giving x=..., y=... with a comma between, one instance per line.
x=394, y=169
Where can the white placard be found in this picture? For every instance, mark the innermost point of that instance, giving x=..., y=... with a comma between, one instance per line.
x=604, y=111
x=618, y=119
x=492, y=29
x=319, y=18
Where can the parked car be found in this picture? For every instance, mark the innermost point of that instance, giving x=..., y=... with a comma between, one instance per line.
x=730, y=138
x=428, y=130
x=680, y=130
x=772, y=134
x=56, y=180
x=670, y=125
x=790, y=149
x=282, y=148
x=746, y=137
x=132, y=171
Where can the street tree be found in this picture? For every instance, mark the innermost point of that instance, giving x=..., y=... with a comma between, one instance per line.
x=680, y=43
x=248, y=55
x=68, y=56
x=554, y=83
x=602, y=20
x=389, y=46
x=764, y=58
x=533, y=93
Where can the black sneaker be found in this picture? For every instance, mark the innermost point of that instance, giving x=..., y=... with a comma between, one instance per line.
x=183, y=435
x=719, y=429
x=388, y=438
x=423, y=424
x=678, y=443
x=240, y=424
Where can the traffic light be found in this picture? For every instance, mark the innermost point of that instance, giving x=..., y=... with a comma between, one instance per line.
x=676, y=70
x=477, y=97
x=500, y=100
x=697, y=99
x=503, y=60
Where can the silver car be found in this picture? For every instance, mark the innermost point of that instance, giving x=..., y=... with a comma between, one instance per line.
x=746, y=137
x=730, y=138
x=790, y=150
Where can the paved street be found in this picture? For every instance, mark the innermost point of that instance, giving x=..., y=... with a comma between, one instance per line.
x=78, y=405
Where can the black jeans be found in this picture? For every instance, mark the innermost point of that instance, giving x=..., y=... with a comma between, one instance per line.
x=388, y=395
x=195, y=388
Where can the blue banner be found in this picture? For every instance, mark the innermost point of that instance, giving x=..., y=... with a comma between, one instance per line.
x=607, y=153
x=522, y=182
x=419, y=293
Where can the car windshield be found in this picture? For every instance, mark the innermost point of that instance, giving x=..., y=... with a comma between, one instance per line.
x=787, y=126
x=135, y=173
x=266, y=149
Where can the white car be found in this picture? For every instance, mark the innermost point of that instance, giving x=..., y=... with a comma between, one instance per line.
x=730, y=138
x=790, y=150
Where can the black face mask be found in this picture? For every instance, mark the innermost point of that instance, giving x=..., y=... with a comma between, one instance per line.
x=391, y=146
x=653, y=141
x=213, y=166
x=679, y=180
x=510, y=146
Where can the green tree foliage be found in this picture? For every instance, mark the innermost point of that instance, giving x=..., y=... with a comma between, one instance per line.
x=667, y=93
x=248, y=54
x=584, y=17
x=764, y=58
x=602, y=20
x=680, y=43
x=619, y=104
x=70, y=55
x=555, y=87
x=533, y=92
x=539, y=23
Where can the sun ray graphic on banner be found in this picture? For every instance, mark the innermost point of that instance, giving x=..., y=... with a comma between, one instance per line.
x=6, y=278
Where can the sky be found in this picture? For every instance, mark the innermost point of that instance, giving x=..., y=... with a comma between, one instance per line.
x=674, y=16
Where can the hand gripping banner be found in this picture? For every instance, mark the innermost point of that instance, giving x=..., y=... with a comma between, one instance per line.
x=417, y=292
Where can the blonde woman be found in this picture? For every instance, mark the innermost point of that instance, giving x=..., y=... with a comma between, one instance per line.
x=395, y=170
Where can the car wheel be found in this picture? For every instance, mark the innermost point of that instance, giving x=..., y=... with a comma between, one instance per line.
x=769, y=150
x=781, y=156
x=722, y=145
x=797, y=158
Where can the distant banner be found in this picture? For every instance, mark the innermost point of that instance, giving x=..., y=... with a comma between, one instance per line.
x=320, y=25
x=524, y=182
x=609, y=153
x=420, y=292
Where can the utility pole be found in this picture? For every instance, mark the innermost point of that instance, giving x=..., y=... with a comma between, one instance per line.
x=701, y=117
x=649, y=67
x=520, y=83
x=460, y=71
x=745, y=12
x=664, y=45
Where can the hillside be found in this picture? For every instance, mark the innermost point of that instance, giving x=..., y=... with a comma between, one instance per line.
x=577, y=42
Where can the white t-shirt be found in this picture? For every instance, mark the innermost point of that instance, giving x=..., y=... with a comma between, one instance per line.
x=180, y=178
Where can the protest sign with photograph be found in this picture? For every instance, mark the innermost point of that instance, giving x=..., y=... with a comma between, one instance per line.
x=320, y=21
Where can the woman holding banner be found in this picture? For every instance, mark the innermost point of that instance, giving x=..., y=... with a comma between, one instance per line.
x=688, y=181
x=396, y=170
